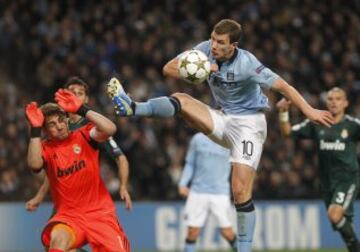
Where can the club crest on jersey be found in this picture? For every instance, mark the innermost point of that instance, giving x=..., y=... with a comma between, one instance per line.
x=344, y=133
x=230, y=76
x=76, y=149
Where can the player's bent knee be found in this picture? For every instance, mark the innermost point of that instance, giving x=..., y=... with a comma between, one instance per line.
x=335, y=218
x=335, y=214
x=58, y=240
x=62, y=236
x=184, y=99
x=193, y=234
x=191, y=237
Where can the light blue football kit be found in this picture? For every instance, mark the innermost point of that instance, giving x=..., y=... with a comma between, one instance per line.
x=237, y=85
x=207, y=167
x=207, y=173
x=240, y=125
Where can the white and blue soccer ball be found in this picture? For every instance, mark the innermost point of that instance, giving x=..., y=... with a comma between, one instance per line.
x=194, y=66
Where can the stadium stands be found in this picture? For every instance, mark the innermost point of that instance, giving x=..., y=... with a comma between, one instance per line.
x=313, y=44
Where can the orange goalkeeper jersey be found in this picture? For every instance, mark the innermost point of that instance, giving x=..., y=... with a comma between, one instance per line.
x=73, y=170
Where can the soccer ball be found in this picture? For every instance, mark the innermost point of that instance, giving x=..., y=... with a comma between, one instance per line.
x=194, y=66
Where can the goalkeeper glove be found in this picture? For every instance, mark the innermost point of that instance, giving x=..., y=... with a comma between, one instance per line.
x=70, y=103
x=36, y=118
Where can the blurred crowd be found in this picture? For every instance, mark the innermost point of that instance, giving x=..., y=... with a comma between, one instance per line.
x=314, y=45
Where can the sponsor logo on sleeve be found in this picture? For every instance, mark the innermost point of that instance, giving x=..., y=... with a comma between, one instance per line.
x=259, y=69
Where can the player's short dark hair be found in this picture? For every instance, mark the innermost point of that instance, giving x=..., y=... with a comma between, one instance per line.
x=74, y=80
x=50, y=109
x=231, y=27
x=338, y=89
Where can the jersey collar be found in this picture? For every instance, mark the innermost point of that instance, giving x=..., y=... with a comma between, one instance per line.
x=229, y=61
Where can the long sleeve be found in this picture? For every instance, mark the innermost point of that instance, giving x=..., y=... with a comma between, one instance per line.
x=189, y=165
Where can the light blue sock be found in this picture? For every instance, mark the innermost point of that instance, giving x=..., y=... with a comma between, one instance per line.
x=190, y=246
x=158, y=107
x=246, y=220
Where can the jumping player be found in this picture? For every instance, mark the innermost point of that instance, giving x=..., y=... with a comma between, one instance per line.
x=236, y=83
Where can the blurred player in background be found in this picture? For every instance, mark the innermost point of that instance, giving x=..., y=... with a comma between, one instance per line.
x=81, y=89
x=85, y=212
x=207, y=169
x=236, y=84
x=338, y=164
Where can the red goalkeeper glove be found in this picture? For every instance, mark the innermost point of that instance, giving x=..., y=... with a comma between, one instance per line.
x=34, y=115
x=70, y=103
x=36, y=118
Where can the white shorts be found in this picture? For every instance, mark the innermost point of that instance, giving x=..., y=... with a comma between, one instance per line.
x=244, y=135
x=199, y=205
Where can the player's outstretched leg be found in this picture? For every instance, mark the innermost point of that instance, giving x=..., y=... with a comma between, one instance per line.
x=122, y=102
x=124, y=106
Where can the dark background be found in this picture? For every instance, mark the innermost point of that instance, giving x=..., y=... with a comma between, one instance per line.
x=314, y=45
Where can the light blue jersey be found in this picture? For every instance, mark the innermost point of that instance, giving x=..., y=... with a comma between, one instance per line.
x=237, y=85
x=207, y=167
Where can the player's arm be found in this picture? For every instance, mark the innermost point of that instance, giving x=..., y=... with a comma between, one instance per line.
x=171, y=69
x=123, y=169
x=185, y=180
x=113, y=150
x=284, y=122
x=104, y=127
x=34, y=203
x=188, y=171
x=36, y=120
x=34, y=155
x=316, y=116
